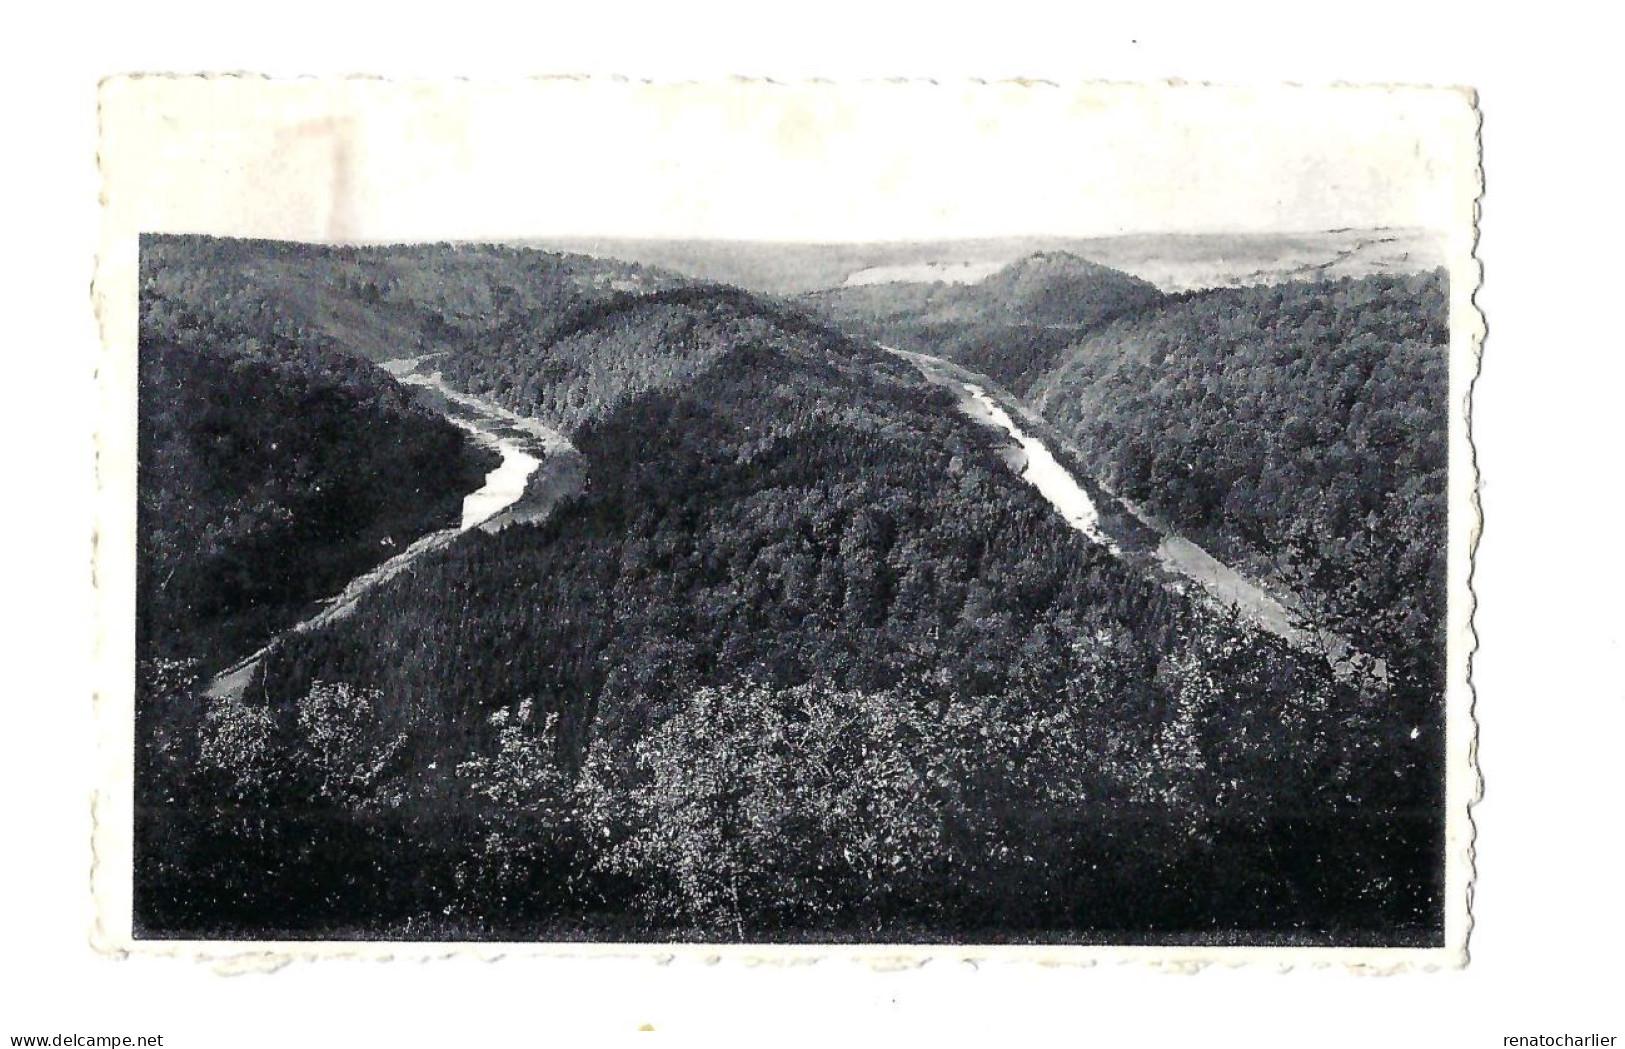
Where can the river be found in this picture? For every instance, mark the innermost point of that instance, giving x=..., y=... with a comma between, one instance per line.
x=502, y=488
x=1123, y=529
x=512, y=492
x=507, y=496
x=1040, y=468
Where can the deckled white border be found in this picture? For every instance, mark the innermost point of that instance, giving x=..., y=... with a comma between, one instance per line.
x=113, y=560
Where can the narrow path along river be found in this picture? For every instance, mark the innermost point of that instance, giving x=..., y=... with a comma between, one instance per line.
x=1120, y=527
x=512, y=493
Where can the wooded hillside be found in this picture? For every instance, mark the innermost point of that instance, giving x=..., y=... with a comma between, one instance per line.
x=806, y=659
x=1011, y=325
x=1301, y=428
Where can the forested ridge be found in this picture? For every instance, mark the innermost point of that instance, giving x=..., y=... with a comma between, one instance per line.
x=1297, y=429
x=805, y=659
x=1300, y=428
x=374, y=301
x=583, y=363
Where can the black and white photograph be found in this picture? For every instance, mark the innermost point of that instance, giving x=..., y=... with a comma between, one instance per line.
x=731, y=514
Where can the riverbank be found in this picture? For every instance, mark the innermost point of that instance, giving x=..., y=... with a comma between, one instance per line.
x=1050, y=465
x=539, y=468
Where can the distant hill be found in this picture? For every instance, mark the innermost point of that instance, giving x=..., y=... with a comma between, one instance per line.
x=1172, y=261
x=1060, y=288
x=1044, y=289
x=1010, y=324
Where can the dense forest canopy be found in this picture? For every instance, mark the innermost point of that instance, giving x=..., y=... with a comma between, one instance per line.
x=1300, y=427
x=580, y=365
x=805, y=659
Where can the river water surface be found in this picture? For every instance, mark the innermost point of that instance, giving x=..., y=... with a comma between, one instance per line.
x=512, y=436
x=1042, y=470
x=1179, y=558
x=522, y=443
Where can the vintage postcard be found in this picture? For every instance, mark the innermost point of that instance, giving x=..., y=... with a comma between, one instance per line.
x=903, y=519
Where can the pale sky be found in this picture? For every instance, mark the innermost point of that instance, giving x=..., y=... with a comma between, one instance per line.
x=374, y=160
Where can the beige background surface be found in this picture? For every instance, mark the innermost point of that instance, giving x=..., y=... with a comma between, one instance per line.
x=863, y=161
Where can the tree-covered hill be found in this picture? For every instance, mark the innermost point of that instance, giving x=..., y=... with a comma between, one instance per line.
x=1061, y=289
x=581, y=365
x=379, y=302
x=1010, y=325
x=805, y=659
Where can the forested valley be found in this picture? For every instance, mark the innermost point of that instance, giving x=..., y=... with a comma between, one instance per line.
x=1298, y=430
x=270, y=473
x=805, y=660
x=275, y=463
x=1301, y=430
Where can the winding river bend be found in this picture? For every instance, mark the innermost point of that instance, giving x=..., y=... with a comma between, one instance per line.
x=538, y=469
x=524, y=443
